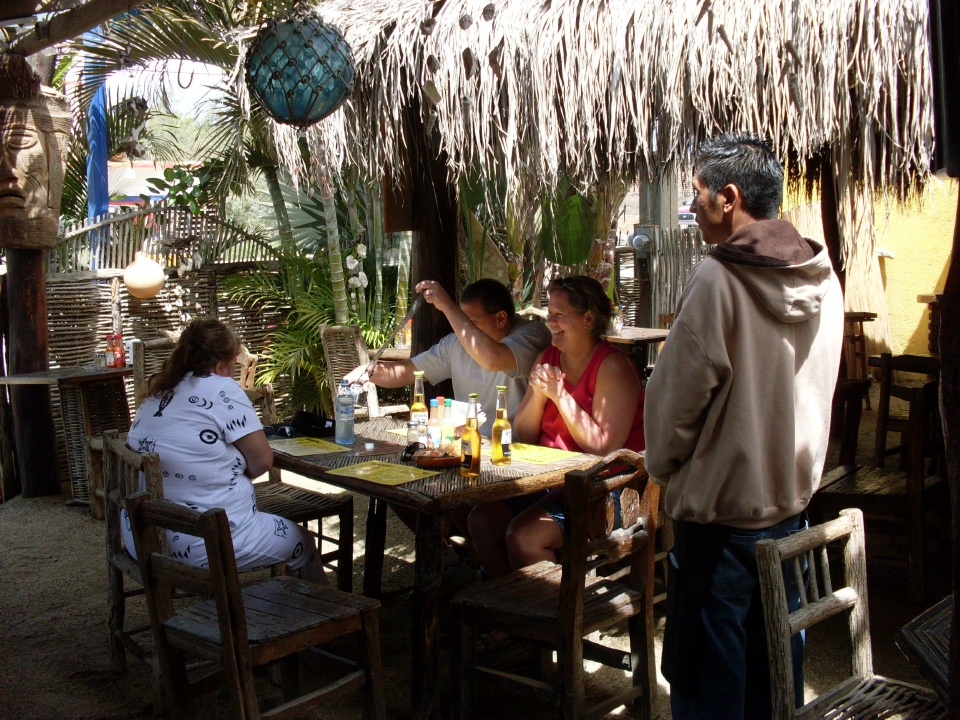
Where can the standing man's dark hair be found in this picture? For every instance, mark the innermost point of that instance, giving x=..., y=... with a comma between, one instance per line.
x=737, y=413
x=747, y=161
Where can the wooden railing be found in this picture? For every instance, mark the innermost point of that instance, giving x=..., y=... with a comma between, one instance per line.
x=173, y=236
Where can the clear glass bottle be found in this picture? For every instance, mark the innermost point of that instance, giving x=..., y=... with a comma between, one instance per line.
x=344, y=433
x=502, y=434
x=413, y=433
x=447, y=429
x=433, y=425
x=418, y=406
x=470, y=442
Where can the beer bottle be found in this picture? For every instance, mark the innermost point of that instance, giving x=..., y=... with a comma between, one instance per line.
x=470, y=442
x=418, y=407
x=502, y=434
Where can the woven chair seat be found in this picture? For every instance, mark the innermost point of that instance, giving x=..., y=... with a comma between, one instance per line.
x=875, y=697
x=527, y=602
x=296, y=503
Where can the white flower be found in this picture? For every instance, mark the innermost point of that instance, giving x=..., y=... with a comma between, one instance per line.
x=361, y=251
x=352, y=263
x=353, y=282
x=362, y=277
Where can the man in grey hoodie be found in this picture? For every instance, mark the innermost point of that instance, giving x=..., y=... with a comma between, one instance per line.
x=737, y=415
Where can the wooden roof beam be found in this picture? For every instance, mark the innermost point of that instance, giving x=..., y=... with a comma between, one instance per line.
x=70, y=24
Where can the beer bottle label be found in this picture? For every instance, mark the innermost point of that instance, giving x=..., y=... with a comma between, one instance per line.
x=467, y=453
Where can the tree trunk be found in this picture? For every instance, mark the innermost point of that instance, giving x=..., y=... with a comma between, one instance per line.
x=279, y=206
x=373, y=199
x=340, y=309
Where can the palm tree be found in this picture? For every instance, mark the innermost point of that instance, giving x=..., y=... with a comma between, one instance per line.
x=240, y=145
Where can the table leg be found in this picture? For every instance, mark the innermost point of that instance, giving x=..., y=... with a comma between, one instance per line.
x=428, y=569
x=373, y=551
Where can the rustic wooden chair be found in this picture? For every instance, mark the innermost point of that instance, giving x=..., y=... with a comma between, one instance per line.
x=344, y=350
x=896, y=503
x=558, y=606
x=275, y=497
x=864, y=694
x=240, y=629
x=918, y=422
x=121, y=471
x=855, y=347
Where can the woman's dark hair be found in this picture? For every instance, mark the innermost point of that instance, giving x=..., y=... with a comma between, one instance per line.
x=586, y=294
x=202, y=344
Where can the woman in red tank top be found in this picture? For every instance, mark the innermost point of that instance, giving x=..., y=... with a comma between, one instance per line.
x=580, y=393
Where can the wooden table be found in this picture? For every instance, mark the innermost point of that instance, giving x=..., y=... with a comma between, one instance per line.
x=925, y=641
x=855, y=345
x=637, y=341
x=91, y=400
x=637, y=337
x=431, y=497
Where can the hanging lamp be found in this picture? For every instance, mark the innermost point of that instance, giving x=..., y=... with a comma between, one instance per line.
x=299, y=68
x=144, y=277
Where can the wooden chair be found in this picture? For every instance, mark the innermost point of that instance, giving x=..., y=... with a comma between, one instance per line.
x=344, y=350
x=920, y=422
x=855, y=347
x=275, y=497
x=121, y=470
x=864, y=694
x=559, y=605
x=240, y=629
x=896, y=503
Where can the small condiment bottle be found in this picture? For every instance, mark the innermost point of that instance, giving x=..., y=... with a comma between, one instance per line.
x=111, y=360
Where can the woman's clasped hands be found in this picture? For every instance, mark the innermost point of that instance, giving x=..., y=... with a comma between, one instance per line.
x=547, y=380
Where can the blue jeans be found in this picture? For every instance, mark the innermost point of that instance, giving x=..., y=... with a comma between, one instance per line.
x=714, y=645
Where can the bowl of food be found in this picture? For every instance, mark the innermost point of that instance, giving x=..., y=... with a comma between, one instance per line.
x=432, y=458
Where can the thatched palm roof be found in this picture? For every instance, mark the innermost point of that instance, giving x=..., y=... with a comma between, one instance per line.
x=592, y=87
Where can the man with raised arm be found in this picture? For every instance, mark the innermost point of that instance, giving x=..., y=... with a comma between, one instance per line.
x=490, y=345
x=737, y=416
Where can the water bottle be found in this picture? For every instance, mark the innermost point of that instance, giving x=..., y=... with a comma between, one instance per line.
x=344, y=411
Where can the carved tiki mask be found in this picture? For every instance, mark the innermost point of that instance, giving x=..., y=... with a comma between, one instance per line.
x=33, y=149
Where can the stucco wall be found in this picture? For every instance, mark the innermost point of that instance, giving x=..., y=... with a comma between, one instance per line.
x=920, y=237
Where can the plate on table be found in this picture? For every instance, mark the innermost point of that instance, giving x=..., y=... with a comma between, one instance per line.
x=434, y=459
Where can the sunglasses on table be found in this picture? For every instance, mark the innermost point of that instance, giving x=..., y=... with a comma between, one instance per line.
x=280, y=431
x=410, y=449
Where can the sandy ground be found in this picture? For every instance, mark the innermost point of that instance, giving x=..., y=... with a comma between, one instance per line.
x=54, y=661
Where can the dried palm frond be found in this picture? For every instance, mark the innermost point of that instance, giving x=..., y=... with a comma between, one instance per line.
x=600, y=89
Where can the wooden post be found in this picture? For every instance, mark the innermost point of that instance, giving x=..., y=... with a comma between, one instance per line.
x=828, y=214
x=9, y=479
x=29, y=352
x=950, y=412
x=434, y=254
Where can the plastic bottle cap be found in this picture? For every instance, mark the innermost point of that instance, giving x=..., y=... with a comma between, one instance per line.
x=368, y=446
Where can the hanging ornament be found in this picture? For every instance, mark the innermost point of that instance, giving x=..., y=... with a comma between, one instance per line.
x=144, y=277
x=299, y=68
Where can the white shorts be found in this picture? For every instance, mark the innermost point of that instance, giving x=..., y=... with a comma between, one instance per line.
x=259, y=540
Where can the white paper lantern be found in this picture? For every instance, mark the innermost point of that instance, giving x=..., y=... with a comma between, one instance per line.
x=144, y=277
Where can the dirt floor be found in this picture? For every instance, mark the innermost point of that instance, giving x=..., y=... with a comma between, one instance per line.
x=54, y=662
